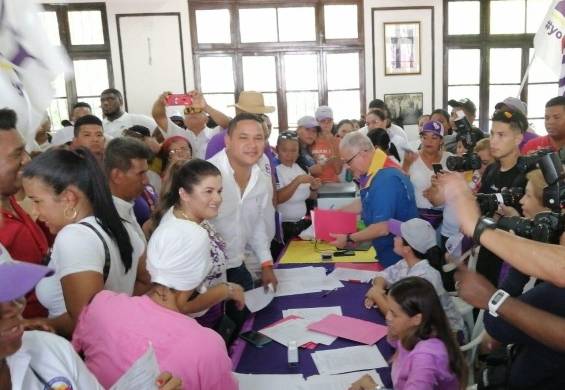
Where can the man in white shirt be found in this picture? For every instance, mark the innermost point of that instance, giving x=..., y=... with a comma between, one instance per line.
x=195, y=120
x=116, y=120
x=35, y=360
x=245, y=195
x=66, y=134
x=125, y=163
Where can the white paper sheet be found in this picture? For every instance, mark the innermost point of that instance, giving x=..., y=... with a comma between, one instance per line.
x=304, y=280
x=141, y=375
x=258, y=298
x=338, y=361
x=296, y=330
x=270, y=382
x=339, y=382
x=313, y=313
x=353, y=274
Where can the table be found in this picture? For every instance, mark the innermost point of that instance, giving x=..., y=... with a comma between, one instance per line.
x=272, y=358
x=309, y=252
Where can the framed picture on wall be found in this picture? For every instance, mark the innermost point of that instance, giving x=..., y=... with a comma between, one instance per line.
x=405, y=108
x=402, y=48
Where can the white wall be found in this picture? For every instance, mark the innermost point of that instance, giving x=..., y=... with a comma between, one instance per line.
x=400, y=84
x=114, y=7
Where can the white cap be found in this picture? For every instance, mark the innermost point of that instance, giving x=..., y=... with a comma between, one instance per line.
x=419, y=234
x=178, y=254
x=63, y=136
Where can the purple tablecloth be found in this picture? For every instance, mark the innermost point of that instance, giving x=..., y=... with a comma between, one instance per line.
x=272, y=358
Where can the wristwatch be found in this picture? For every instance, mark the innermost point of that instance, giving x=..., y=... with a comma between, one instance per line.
x=482, y=224
x=496, y=301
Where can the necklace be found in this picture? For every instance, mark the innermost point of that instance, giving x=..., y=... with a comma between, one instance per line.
x=183, y=214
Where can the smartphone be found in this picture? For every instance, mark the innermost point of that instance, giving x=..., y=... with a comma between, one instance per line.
x=179, y=100
x=255, y=338
x=437, y=168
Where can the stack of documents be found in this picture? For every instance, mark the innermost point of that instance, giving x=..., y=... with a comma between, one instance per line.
x=271, y=382
x=312, y=313
x=339, y=382
x=338, y=361
x=304, y=280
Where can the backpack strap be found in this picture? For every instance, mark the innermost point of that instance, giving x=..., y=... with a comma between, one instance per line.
x=106, y=270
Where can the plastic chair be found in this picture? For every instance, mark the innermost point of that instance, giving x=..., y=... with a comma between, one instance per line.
x=470, y=349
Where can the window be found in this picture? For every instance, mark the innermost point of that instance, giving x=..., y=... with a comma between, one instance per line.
x=488, y=56
x=82, y=31
x=298, y=54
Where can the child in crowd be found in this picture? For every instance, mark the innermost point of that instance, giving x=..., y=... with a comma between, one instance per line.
x=416, y=242
x=427, y=355
x=294, y=186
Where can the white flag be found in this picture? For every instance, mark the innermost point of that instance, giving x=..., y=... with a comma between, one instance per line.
x=29, y=63
x=548, y=39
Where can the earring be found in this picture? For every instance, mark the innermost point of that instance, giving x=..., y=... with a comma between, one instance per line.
x=74, y=213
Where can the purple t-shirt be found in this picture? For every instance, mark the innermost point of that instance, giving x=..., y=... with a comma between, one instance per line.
x=426, y=367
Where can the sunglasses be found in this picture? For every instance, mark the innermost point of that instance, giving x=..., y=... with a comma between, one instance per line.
x=288, y=135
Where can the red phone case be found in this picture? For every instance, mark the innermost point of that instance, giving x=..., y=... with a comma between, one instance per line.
x=179, y=100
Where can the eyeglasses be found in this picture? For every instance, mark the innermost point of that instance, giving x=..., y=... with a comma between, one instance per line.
x=353, y=158
x=192, y=110
x=184, y=150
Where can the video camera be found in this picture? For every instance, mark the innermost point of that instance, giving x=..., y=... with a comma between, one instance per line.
x=549, y=225
x=470, y=160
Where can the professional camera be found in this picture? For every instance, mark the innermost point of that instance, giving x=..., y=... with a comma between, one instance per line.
x=488, y=203
x=470, y=160
x=546, y=227
x=549, y=225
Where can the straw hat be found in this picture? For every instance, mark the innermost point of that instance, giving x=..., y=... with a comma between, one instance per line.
x=252, y=102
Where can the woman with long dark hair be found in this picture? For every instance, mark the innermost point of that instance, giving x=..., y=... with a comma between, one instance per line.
x=93, y=249
x=195, y=194
x=427, y=354
x=380, y=139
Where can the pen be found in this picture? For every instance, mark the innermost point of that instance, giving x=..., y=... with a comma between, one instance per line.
x=328, y=293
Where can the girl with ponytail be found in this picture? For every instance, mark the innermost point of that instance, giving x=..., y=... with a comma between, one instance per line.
x=92, y=249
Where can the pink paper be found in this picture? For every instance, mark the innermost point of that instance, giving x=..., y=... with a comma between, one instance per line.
x=361, y=266
x=350, y=328
x=333, y=221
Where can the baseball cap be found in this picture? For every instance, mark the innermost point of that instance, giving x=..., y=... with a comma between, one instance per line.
x=308, y=122
x=419, y=234
x=63, y=136
x=137, y=131
x=514, y=104
x=465, y=104
x=433, y=127
x=324, y=112
x=18, y=278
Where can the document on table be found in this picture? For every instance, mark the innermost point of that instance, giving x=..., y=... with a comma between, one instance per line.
x=350, y=328
x=338, y=361
x=353, y=274
x=339, y=382
x=271, y=382
x=141, y=375
x=304, y=280
x=293, y=328
x=312, y=313
x=258, y=298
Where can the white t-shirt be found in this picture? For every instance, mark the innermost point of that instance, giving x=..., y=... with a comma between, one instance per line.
x=77, y=249
x=424, y=270
x=53, y=359
x=294, y=209
x=127, y=120
x=421, y=178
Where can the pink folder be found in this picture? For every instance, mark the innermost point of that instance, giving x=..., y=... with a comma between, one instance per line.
x=333, y=221
x=361, y=266
x=350, y=328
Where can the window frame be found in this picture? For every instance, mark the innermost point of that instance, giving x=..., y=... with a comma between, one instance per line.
x=82, y=52
x=484, y=41
x=236, y=49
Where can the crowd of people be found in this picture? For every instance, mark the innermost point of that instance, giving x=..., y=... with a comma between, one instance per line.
x=133, y=230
